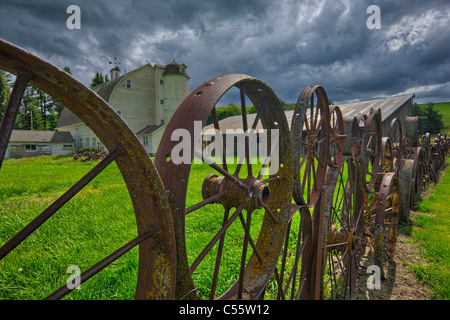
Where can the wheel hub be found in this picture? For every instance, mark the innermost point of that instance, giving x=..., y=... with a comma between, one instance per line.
x=255, y=196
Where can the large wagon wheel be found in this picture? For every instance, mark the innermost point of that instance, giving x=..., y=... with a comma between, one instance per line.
x=342, y=207
x=381, y=222
x=370, y=157
x=156, y=274
x=395, y=134
x=230, y=190
x=310, y=127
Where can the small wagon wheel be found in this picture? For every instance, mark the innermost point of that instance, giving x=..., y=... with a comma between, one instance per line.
x=229, y=189
x=292, y=275
x=396, y=136
x=352, y=141
x=156, y=273
x=418, y=174
x=412, y=127
x=337, y=136
x=310, y=129
x=343, y=204
x=381, y=222
x=426, y=145
x=407, y=145
x=387, y=156
x=370, y=157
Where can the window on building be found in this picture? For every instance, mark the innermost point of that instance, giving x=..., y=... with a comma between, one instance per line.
x=128, y=83
x=162, y=121
x=161, y=101
x=87, y=142
x=145, y=140
x=30, y=147
x=94, y=141
x=68, y=146
x=161, y=81
x=182, y=70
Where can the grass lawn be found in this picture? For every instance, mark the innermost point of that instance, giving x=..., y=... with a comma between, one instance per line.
x=431, y=229
x=92, y=225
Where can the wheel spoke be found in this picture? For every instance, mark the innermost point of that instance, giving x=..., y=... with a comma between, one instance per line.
x=246, y=133
x=217, y=127
x=219, y=234
x=11, y=112
x=62, y=291
x=225, y=173
x=203, y=203
x=244, y=255
x=212, y=294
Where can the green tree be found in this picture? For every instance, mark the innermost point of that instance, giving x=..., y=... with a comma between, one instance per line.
x=5, y=87
x=434, y=123
x=98, y=79
x=67, y=69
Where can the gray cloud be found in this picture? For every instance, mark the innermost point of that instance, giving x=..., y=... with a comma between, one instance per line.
x=288, y=44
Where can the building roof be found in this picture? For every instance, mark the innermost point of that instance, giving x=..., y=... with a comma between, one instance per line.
x=387, y=106
x=107, y=88
x=175, y=68
x=41, y=136
x=149, y=129
x=104, y=90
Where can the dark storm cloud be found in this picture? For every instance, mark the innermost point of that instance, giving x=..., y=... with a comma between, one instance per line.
x=288, y=44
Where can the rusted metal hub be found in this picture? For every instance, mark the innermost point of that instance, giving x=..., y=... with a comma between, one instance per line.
x=312, y=145
x=341, y=240
x=255, y=196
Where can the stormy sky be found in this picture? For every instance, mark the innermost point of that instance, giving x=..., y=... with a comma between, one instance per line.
x=286, y=43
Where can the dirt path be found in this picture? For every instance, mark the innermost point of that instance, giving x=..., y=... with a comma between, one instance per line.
x=400, y=282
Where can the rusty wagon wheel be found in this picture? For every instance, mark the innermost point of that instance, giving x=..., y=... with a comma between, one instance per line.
x=342, y=210
x=381, y=217
x=228, y=191
x=407, y=145
x=156, y=271
x=310, y=127
x=387, y=157
x=370, y=156
x=395, y=134
x=352, y=141
x=337, y=136
x=418, y=173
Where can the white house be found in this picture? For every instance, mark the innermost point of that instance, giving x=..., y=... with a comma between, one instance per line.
x=32, y=143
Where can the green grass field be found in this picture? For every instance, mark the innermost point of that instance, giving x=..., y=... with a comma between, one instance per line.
x=431, y=229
